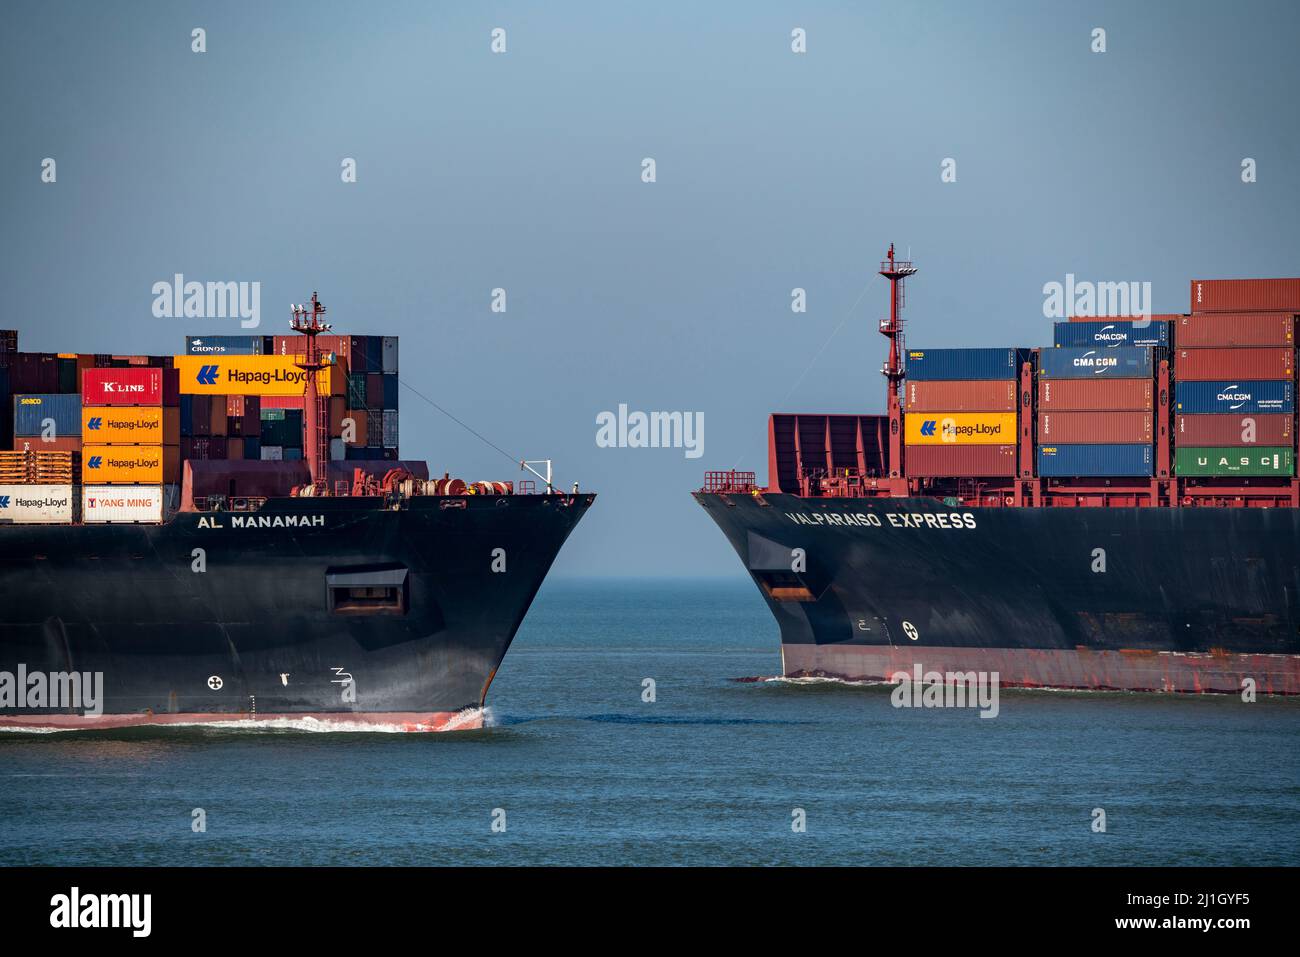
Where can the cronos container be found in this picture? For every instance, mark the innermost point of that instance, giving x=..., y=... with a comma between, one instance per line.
x=1076, y=461
x=1110, y=428
x=35, y=504
x=1209, y=364
x=924, y=365
x=62, y=413
x=948, y=428
x=1232, y=430
x=131, y=385
x=224, y=345
x=1241, y=396
x=1235, y=330
x=1110, y=333
x=960, y=461
x=1219, y=461
x=1123, y=362
x=1246, y=295
x=122, y=464
x=117, y=503
x=1095, y=395
x=975, y=395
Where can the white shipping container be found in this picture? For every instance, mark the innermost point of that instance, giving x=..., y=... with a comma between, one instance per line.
x=272, y=453
x=36, y=504
x=390, y=430
x=121, y=503
x=388, y=353
x=338, y=451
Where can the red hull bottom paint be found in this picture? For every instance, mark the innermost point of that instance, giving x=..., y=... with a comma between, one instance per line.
x=1081, y=669
x=471, y=719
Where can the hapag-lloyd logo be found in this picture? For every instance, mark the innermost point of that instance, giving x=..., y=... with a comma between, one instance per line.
x=211, y=375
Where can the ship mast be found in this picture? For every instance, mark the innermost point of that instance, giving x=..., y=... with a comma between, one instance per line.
x=315, y=417
x=892, y=328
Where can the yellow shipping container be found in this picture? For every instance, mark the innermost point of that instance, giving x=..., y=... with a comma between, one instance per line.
x=130, y=425
x=122, y=464
x=960, y=428
x=254, y=375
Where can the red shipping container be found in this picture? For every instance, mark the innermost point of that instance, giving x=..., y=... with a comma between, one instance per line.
x=252, y=407
x=1155, y=317
x=360, y=422
x=960, y=461
x=281, y=402
x=357, y=355
x=1095, y=395
x=1203, y=365
x=296, y=345
x=204, y=448
x=374, y=390
x=34, y=443
x=338, y=407
x=1235, y=329
x=979, y=395
x=234, y=448
x=201, y=415
x=218, y=418
x=1233, y=430
x=234, y=405
x=1246, y=295
x=1105, y=428
x=135, y=385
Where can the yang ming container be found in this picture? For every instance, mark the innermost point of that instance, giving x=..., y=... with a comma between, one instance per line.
x=1123, y=362
x=1209, y=364
x=1209, y=462
x=62, y=412
x=960, y=461
x=1107, y=334
x=1080, y=461
x=925, y=365
x=1232, y=430
x=35, y=504
x=1246, y=295
x=121, y=503
x=1095, y=395
x=1235, y=330
x=974, y=395
x=1241, y=396
x=1111, y=428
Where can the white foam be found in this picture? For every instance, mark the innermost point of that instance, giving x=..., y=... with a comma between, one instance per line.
x=468, y=718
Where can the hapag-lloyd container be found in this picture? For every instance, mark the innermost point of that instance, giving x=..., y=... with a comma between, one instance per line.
x=924, y=365
x=121, y=503
x=971, y=395
x=1241, y=396
x=1235, y=330
x=1246, y=295
x=1079, y=461
x=1110, y=333
x=34, y=414
x=1232, y=430
x=36, y=504
x=960, y=461
x=1113, y=428
x=133, y=385
x=1122, y=362
x=1095, y=395
x=253, y=375
x=1275, y=461
x=122, y=464
x=139, y=425
x=1211, y=364
x=942, y=428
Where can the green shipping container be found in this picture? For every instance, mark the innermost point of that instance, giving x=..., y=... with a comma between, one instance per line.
x=1273, y=461
x=273, y=415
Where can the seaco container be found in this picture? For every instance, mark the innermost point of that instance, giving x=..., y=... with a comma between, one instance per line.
x=960, y=461
x=1123, y=362
x=1113, y=428
x=1232, y=430
x=1107, y=333
x=1264, y=461
x=1073, y=461
x=122, y=464
x=941, y=428
x=61, y=412
x=1208, y=364
x=131, y=385
x=118, y=503
x=925, y=365
x=35, y=504
x=1243, y=396
x=146, y=424
x=1095, y=395
x=972, y=395
x=1246, y=295
x=1235, y=330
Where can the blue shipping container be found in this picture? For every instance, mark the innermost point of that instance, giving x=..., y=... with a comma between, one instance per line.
x=31, y=411
x=224, y=345
x=942, y=365
x=1070, y=461
x=1228, y=396
x=1119, y=363
x=1110, y=334
x=187, y=415
x=390, y=391
x=252, y=448
x=292, y=455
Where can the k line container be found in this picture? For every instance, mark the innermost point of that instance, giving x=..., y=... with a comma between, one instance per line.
x=1108, y=428
x=133, y=385
x=1110, y=333
x=1232, y=430
x=1089, y=461
x=1276, y=461
x=63, y=412
x=1204, y=365
x=120, y=503
x=1246, y=295
x=944, y=428
x=122, y=464
x=925, y=365
x=960, y=461
x=36, y=504
x=138, y=425
x=972, y=395
x=1123, y=362
x=1095, y=395
x=1241, y=396
x=1235, y=330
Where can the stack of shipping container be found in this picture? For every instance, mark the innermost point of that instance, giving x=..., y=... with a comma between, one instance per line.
x=130, y=430
x=961, y=412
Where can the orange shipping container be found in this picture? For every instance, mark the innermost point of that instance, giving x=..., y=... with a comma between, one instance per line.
x=123, y=464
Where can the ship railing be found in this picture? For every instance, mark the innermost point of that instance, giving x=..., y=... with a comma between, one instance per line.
x=228, y=503
x=729, y=482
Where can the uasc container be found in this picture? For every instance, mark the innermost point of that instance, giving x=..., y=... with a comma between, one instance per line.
x=960, y=461
x=1235, y=330
x=1110, y=333
x=119, y=503
x=1232, y=430
x=952, y=364
x=1122, y=362
x=1095, y=395
x=1081, y=461
x=1241, y=396
x=951, y=428
x=35, y=504
x=972, y=395
x=1276, y=461
x=1108, y=428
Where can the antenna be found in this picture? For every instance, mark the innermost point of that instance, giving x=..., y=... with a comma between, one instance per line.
x=892, y=328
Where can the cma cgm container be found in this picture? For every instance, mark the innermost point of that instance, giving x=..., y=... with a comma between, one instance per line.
x=120, y=503
x=1113, y=428
x=1275, y=462
x=974, y=395
x=1232, y=430
x=1107, y=334
x=960, y=461
x=1246, y=295
x=947, y=428
x=1235, y=330
x=36, y=504
x=1121, y=362
x=1208, y=364
x=1242, y=396
x=32, y=412
x=131, y=385
x=1075, y=461
x=952, y=364
x=1095, y=395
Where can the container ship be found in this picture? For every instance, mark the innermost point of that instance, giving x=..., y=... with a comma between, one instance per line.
x=1117, y=512
x=230, y=535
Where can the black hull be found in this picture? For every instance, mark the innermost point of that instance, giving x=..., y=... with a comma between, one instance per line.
x=1191, y=599
x=255, y=635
